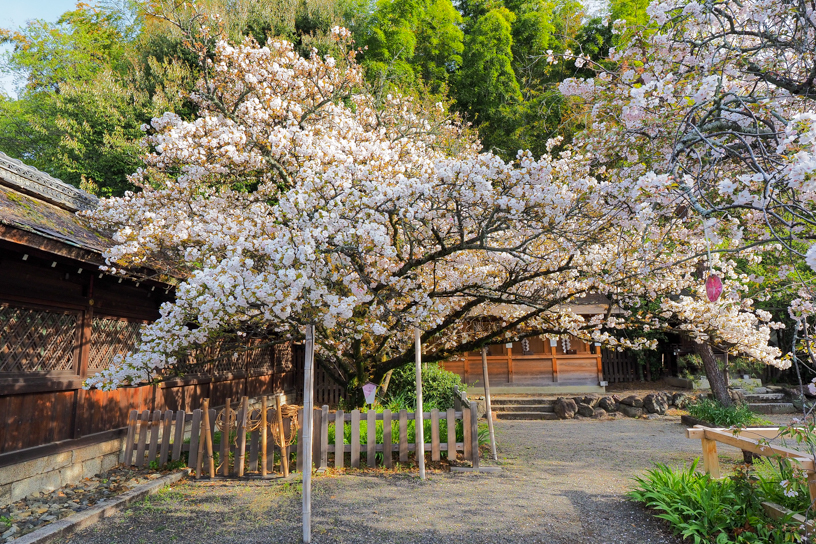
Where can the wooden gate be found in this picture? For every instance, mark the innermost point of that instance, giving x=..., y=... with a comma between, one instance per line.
x=619, y=366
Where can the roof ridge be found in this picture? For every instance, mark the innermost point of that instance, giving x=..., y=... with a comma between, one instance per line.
x=16, y=174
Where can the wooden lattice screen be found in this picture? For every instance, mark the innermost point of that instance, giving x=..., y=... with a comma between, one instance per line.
x=111, y=337
x=33, y=340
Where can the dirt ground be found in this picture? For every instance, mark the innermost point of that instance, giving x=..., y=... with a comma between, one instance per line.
x=562, y=482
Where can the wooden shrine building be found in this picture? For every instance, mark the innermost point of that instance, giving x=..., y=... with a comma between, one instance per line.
x=539, y=365
x=62, y=320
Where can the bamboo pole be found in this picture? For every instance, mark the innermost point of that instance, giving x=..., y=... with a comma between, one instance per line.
x=419, y=422
x=282, y=439
x=487, y=403
x=264, y=429
x=308, y=418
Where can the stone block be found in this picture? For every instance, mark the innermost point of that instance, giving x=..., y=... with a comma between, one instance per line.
x=35, y=467
x=48, y=481
x=5, y=494
x=91, y=467
x=72, y=474
x=97, y=450
x=109, y=461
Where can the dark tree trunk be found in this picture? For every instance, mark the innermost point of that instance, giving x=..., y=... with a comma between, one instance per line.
x=715, y=375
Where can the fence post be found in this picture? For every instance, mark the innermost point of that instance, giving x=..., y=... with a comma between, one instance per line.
x=242, y=422
x=487, y=405
x=711, y=463
x=324, y=437
x=474, y=435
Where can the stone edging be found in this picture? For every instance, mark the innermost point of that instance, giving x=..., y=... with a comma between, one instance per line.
x=64, y=527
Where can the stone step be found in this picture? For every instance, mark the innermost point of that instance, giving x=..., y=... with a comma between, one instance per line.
x=524, y=401
x=522, y=408
x=772, y=408
x=754, y=398
x=526, y=415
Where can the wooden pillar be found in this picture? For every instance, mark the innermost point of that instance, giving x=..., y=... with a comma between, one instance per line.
x=553, y=351
x=600, y=363
x=489, y=414
x=509, y=352
x=711, y=463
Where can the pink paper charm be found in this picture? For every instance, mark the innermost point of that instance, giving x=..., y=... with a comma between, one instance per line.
x=714, y=288
x=368, y=391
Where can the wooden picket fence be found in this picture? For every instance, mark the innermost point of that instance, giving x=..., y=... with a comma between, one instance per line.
x=390, y=444
x=162, y=437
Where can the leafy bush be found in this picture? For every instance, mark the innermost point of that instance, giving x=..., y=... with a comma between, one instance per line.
x=723, y=416
x=437, y=387
x=705, y=510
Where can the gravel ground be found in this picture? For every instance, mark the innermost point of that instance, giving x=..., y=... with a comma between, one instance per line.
x=562, y=482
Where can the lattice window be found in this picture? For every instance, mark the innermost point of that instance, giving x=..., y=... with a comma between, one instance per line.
x=36, y=340
x=111, y=337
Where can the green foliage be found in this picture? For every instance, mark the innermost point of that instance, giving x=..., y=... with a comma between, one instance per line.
x=722, y=416
x=437, y=388
x=90, y=86
x=704, y=510
x=407, y=39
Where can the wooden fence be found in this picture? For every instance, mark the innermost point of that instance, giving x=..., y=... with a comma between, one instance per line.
x=619, y=366
x=755, y=441
x=160, y=437
x=393, y=437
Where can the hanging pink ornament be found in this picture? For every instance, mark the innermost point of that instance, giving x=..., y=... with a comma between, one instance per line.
x=714, y=288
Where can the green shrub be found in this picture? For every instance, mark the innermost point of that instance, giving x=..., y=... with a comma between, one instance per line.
x=437, y=387
x=723, y=416
x=705, y=510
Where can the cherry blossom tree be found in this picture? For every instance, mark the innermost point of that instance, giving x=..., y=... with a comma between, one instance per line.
x=296, y=196
x=707, y=113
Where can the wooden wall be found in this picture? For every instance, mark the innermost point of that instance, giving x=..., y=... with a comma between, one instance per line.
x=43, y=406
x=540, y=365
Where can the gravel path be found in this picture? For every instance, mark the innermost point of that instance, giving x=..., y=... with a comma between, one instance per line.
x=563, y=482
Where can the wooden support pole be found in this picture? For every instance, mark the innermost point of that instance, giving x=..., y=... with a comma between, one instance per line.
x=208, y=443
x=225, y=433
x=201, y=432
x=308, y=418
x=554, y=350
x=474, y=436
x=811, y=479
x=711, y=463
x=264, y=430
x=241, y=439
x=419, y=421
x=282, y=438
x=487, y=403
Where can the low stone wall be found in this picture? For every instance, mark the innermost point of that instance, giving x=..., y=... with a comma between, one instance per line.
x=53, y=471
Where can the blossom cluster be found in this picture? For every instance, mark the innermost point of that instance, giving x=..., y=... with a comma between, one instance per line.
x=296, y=197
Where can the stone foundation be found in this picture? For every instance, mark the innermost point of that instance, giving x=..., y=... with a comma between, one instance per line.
x=53, y=471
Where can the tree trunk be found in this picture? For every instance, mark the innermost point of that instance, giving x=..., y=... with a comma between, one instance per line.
x=385, y=382
x=715, y=375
